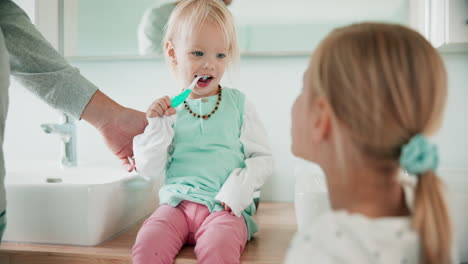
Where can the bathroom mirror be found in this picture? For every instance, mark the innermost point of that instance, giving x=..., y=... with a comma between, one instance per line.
x=108, y=28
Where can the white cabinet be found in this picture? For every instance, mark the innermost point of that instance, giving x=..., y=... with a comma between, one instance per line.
x=443, y=22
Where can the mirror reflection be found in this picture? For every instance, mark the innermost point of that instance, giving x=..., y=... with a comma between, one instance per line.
x=119, y=28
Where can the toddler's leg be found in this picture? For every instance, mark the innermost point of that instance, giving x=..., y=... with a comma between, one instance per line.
x=161, y=237
x=221, y=239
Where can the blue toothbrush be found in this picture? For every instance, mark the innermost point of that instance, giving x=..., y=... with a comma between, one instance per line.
x=177, y=100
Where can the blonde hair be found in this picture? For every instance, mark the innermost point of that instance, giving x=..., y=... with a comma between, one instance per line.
x=385, y=84
x=190, y=15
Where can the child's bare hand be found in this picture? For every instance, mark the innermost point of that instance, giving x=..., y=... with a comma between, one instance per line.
x=227, y=208
x=160, y=107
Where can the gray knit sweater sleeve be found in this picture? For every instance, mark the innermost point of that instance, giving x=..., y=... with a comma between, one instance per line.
x=39, y=67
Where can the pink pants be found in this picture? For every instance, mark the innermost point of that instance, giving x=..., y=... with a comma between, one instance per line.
x=218, y=237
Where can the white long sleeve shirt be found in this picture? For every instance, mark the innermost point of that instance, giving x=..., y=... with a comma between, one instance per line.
x=151, y=156
x=341, y=237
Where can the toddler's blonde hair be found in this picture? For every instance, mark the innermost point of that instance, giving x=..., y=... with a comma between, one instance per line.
x=385, y=84
x=190, y=15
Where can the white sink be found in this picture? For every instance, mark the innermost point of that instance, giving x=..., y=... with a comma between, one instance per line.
x=79, y=206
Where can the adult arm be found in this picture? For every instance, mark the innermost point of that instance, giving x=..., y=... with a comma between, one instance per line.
x=36, y=65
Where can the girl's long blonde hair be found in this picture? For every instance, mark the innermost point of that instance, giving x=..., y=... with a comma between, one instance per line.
x=190, y=15
x=385, y=84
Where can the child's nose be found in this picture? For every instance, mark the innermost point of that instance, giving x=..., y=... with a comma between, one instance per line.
x=209, y=64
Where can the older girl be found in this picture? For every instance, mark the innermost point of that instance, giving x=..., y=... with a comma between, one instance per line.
x=372, y=95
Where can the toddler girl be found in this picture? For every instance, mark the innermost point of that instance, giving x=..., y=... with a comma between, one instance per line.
x=213, y=152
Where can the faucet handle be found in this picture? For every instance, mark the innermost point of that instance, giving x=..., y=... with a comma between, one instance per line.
x=66, y=129
x=67, y=119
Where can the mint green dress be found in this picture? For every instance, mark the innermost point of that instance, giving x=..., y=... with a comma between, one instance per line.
x=205, y=152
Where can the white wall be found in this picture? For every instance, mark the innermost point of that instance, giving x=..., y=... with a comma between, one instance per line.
x=307, y=11
x=453, y=136
x=272, y=83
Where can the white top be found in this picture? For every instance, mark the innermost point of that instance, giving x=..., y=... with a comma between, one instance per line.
x=151, y=155
x=341, y=237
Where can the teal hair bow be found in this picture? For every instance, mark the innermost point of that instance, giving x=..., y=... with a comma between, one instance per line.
x=419, y=156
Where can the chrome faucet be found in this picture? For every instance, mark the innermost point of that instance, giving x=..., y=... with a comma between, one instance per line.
x=67, y=132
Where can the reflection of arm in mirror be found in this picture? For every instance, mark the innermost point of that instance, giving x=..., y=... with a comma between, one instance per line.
x=238, y=190
x=42, y=70
x=151, y=29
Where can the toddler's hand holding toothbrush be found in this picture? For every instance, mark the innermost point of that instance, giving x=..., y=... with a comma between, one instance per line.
x=160, y=107
x=165, y=106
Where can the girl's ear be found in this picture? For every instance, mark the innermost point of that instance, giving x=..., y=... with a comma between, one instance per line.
x=170, y=51
x=322, y=125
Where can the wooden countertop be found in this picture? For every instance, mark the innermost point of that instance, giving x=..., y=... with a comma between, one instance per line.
x=277, y=224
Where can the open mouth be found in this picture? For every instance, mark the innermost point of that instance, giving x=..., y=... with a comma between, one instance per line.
x=204, y=80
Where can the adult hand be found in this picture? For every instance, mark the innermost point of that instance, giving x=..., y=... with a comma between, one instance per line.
x=117, y=124
x=118, y=134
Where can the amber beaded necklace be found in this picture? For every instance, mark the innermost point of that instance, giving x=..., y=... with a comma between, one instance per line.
x=210, y=114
